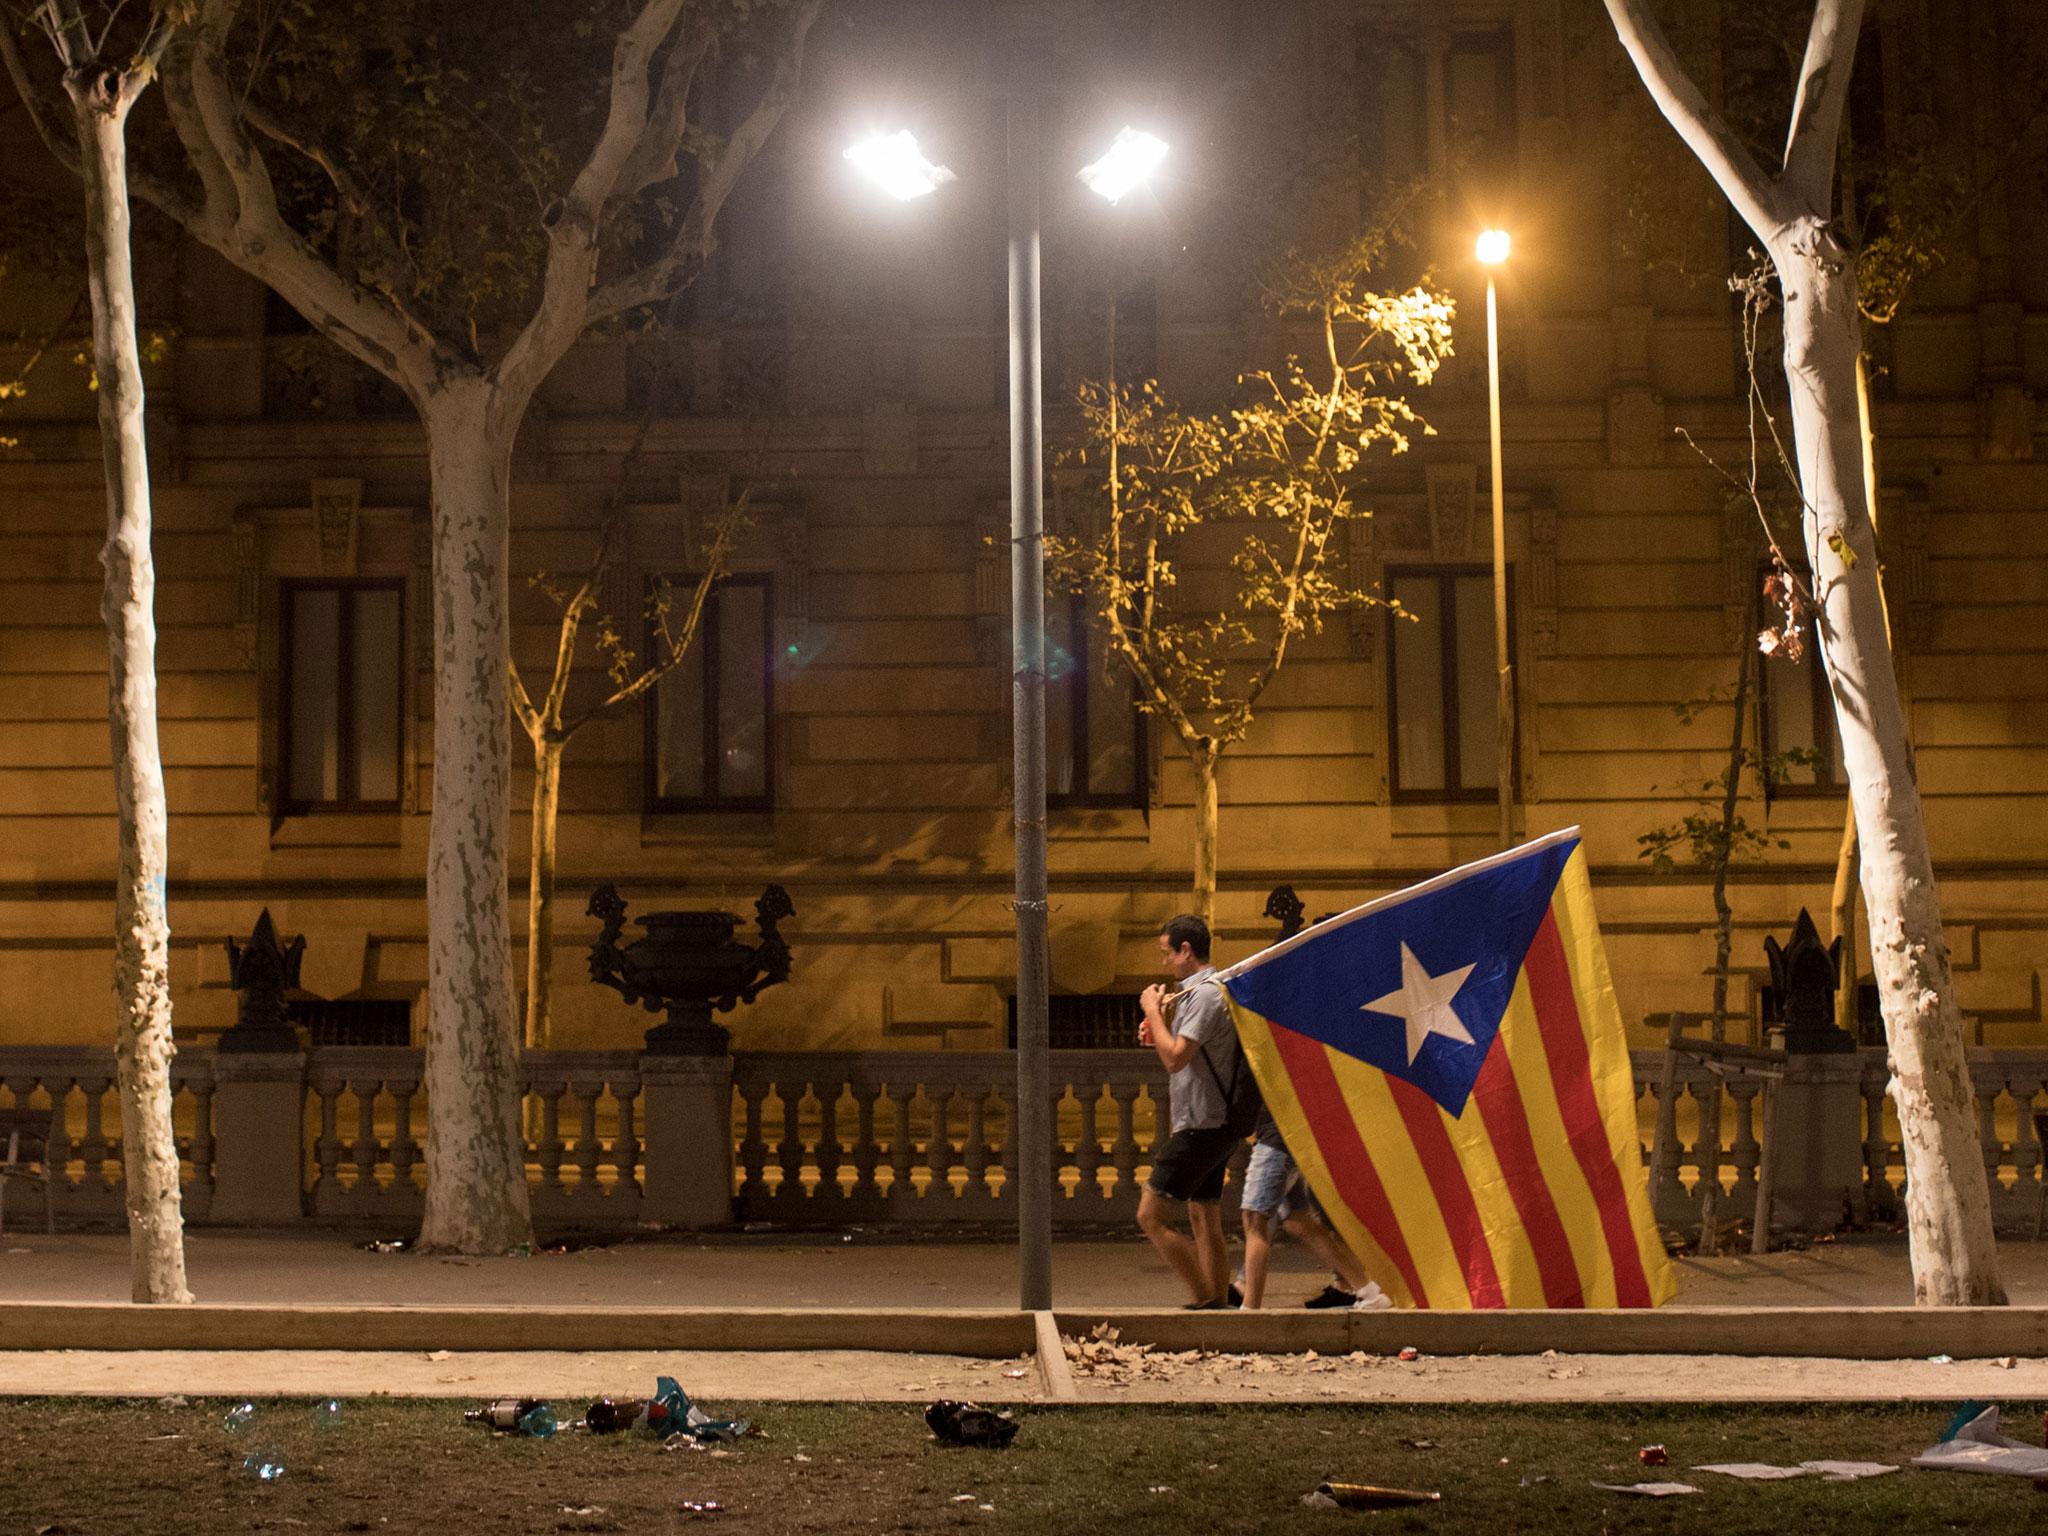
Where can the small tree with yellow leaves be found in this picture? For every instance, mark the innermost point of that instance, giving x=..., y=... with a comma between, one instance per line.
x=1278, y=473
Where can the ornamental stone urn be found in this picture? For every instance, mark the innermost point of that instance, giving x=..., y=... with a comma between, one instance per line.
x=689, y=964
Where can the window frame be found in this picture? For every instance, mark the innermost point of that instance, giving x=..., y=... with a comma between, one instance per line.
x=1446, y=576
x=347, y=803
x=1136, y=797
x=704, y=653
x=1814, y=672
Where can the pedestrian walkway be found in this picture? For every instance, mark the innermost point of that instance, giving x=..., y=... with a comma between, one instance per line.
x=849, y=1270
x=718, y=1377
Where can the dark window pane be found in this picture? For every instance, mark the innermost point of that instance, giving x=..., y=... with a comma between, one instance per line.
x=711, y=737
x=1061, y=679
x=314, y=749
x=1478, y=684
x=374, y=681
x=742, y=692
x=1112, y=728
x=1418, y=665
x=679, y=704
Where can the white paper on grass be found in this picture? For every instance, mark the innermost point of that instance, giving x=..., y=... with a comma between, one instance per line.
x=1847, y=1471
x=1649, y=1490
x=1826, y=1471
x=1753, y=1471
x=1979, y=1447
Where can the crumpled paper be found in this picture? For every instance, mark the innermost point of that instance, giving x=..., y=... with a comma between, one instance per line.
x=1977, y=1446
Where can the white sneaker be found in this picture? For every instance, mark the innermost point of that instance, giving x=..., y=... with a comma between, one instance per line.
x=1372, y=1299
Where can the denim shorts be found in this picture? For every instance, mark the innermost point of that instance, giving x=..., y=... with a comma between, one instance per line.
x=1268, y=1179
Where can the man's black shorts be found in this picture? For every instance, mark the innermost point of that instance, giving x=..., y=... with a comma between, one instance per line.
x=1190, y=1165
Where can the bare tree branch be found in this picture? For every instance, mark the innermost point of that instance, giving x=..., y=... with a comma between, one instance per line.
x=654, y=157
x=242, y=220
x=561, y=311
x=60, y=145
x=1815, y=133
x=719, y=170
x=1754, y=195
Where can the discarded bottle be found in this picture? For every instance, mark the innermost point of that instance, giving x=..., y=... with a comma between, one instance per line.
x=956, y=1423
x=1366, y=1496
x=607, y=1416
x=527, y=1416
x=264, y=1466
x=327, y=1413
x=668, y=1412
x=237, y=1418
x=1654, y=1456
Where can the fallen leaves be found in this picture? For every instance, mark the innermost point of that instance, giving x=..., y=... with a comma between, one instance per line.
x=1103, y=1356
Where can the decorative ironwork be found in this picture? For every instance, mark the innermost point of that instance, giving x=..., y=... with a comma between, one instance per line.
x=1804, y=975
x=263, y=971
x=1285, y=908
x=689, y=964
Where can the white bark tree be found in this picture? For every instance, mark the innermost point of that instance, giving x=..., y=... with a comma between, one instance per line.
x=1954, y=1253
x=617, y=220
x=102, y=81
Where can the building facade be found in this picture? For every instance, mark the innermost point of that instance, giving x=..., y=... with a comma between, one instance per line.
x=843, y=728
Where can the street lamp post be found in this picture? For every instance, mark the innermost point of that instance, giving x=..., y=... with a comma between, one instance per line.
x=1033, y=1110
x=895, y=163
x=1492, y=250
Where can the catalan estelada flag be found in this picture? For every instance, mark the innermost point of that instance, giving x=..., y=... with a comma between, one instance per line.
x=1449, y=1069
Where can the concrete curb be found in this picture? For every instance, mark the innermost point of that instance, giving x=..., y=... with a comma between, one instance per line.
x=1849, y=1333
x=1836, y=1333
x=1054, y=1374
x=988, y=1334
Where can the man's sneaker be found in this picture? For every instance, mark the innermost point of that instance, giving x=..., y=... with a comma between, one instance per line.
x=1371, y=1298
x=1331, y=1296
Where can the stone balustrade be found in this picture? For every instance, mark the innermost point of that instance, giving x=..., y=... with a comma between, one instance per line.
x=815, y=1138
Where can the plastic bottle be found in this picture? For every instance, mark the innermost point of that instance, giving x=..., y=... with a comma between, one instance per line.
x=327, y=1414
x=238, y=1418
x=264, y=1466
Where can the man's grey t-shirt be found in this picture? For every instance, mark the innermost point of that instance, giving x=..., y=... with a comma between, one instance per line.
x=1194, y=1101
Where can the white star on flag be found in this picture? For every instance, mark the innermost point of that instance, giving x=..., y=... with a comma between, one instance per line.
x=1425, y=1002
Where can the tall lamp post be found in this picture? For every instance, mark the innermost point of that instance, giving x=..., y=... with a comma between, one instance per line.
x=895, y=163
x=1492, y=250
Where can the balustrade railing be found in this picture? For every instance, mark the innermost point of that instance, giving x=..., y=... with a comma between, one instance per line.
x=75, y=1083
x=825, y=1138
x=367, y=1109
x=2009, y=1087
x=830, y=1138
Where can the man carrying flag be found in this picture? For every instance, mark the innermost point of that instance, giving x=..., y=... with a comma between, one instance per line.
x=1449, y=1068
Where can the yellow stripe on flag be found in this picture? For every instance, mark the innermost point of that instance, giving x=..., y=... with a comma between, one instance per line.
x=1380, y=1127
x=1507, y=1237
x=1614, y=1083
x=1256, y=1036
x=1522, y=1037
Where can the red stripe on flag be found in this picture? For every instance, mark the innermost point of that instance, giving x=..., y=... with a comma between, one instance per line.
x=1499, y=1096
x=1336, y=1133
x=1452, y=1189
x=1571, y=1072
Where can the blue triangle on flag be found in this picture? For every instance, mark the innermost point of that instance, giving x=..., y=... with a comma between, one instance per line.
x=1400, y=983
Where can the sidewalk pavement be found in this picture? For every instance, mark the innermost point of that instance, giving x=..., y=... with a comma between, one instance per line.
x=718, y=1378
x=933, y=1273
x=853, y=1270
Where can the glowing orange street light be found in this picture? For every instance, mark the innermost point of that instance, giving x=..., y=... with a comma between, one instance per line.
x=1491, y=250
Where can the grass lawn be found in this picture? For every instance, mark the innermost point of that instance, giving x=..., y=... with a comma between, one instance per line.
x=75, y=1467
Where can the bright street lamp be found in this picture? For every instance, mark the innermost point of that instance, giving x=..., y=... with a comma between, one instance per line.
x=1491, y=250
x=1133, y=155
x=895, y=164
